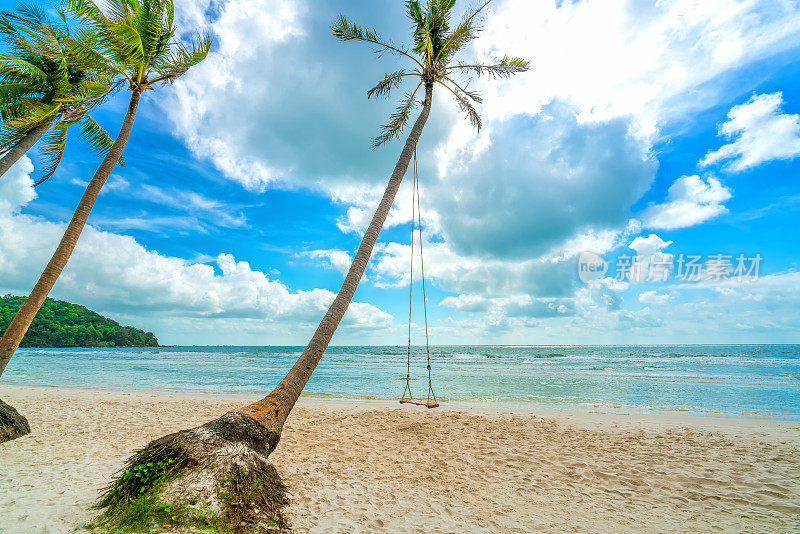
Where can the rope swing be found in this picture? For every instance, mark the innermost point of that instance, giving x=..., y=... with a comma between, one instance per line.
x=415, y=212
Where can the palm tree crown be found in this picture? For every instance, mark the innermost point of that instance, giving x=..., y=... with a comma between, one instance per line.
x=435, y=46
x=136, y=39
x=43, y=82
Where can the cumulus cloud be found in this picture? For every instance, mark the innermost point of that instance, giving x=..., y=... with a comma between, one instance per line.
x=690, y=200
x=115, y=274
x=647, y=246
x=649, y=263
x=564, y=154
x=550, y=178
x=338, y=260
x=516, y=306
x=617, y=58
x=362, y=200
x=456, y=273
x=16, y=186
x=294, y=94
x=760, y=133
x=761, y=312
x=651, y=297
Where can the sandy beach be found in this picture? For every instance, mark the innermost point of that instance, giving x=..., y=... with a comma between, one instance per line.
x=379, y=467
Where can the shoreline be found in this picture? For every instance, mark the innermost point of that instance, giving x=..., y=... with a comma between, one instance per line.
x=379, y=466
x=550, y=410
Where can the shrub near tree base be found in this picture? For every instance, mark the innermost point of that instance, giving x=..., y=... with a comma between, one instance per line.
x=214, y=478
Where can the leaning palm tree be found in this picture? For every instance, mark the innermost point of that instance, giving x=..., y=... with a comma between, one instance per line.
x=135, y=39
x=45, y=88
x=222, y=466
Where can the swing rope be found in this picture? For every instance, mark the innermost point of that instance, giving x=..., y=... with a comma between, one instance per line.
x=416, y=211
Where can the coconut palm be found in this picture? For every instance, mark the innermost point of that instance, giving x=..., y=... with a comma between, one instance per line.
x=135, y=40
x=45, y=88
x=235, y=446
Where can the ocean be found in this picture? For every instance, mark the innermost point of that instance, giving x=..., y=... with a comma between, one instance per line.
x=761, y=381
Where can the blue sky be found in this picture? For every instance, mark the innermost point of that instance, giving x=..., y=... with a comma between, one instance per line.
x=643, y=128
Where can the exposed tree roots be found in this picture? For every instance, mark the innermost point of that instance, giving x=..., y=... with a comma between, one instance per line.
x=12, y=424
x=216, y=477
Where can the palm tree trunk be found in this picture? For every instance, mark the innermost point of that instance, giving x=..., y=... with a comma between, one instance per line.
x=22, y=320
x=272, y=410
x=24, y=144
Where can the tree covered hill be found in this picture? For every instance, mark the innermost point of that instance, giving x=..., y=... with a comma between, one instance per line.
x=62, y=324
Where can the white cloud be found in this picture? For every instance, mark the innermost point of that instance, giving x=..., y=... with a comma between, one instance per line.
x=565, y=151
x=649, y=263
x=647, y=246
x=651, y=297
x=615, y=58
x=278, y=102
x=115, y=274
x=757, y=312
x=760, y=133
x=611, y=60
x=247, y=35
x=200, y=206
x=16, y=186
x=690, y=201
x=546, y=180
x=339, y=260
x=457, y=273
x=470, y=303
x=515, y=306
x=564, y=154
x=362, y=201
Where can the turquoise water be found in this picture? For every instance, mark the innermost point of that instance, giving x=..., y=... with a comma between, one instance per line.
x=735, y=380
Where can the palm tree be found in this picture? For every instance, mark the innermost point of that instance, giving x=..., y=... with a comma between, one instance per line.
x=135, y=40
x=435, y=46
x=45, y=87
x=236, y=446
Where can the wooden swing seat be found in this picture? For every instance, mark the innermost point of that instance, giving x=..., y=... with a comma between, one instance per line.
x=428, y=404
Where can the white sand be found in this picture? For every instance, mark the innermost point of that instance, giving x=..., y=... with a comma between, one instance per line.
x=366, y=467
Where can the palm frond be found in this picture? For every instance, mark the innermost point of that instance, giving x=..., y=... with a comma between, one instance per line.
x=436, y=45
x=21, y=69
x=397, y=120
x=182, y=59
x=53, y=145
x=50, y=78
x=465, y=105
x=137, y=36
x=466, y=31
x=32, y=12
x=506, y=67
x=389, y=82
x=472, y=95
x=95, y=135
x=345, y=31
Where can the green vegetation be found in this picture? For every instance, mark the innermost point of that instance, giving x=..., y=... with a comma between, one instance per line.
x=46, y=86
x=62, y=324
x=141, y=501
x=147, y=512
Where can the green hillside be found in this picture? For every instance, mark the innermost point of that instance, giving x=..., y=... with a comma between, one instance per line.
x=62, y=324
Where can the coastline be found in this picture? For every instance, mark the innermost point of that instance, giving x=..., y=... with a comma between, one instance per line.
x=624, y=412
x=377, y=466
x=715, y=381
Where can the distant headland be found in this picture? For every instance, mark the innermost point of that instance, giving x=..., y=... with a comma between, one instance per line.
x=63, y=324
